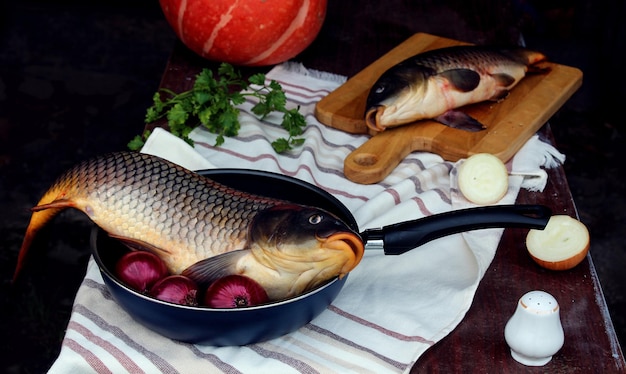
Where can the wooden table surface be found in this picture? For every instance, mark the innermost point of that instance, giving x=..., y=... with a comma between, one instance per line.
x=348, y=43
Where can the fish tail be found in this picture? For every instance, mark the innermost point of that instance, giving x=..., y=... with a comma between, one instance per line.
x=535, y=57
x=536, y=62
x=53, y=202
x=527, y=57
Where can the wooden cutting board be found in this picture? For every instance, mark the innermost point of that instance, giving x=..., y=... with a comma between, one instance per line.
x=510, y=123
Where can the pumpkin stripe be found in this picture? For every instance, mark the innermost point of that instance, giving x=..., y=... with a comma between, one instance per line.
x=181, y=14
x=224, y=20
x=297, y=22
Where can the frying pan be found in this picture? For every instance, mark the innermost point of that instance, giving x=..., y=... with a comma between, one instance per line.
x=241, y=326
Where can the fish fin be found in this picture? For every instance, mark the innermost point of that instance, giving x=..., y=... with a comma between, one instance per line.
x=503, y=79
x=459, y=120
x=139, y=245
x=56, y=204
x=463, y=80
x=205, y=272
x=42, y=214
x=500, y=95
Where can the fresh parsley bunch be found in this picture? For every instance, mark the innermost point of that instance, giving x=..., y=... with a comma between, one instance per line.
x=212, y=103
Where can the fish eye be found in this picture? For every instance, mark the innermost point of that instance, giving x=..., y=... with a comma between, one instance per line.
x=315, y=219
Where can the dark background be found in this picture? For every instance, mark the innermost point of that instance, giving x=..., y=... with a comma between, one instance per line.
x=75, y=81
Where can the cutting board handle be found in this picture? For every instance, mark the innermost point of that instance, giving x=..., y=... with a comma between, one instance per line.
x=379, y=155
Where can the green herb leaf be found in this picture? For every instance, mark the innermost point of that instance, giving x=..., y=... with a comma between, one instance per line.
x=281, y=145
x=229, y=119
x=227, y=71
x=258, y=79
x=201, y=98
x=177, y=115
x=204, y=80
x=294, y=122
x=237, y=98
x=138, y=141
x=220, y=140
x=205, y=115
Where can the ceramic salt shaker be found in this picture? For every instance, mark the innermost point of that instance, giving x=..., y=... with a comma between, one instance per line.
x=534, y=332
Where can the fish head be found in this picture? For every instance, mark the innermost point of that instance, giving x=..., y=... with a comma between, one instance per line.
x=303, y=247
x=395, y=95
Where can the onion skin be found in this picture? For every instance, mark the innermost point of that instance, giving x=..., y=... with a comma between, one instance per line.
x=570, y=263
x=562, y=234
x=140, y=270
x=234, y=291
x=177, y=289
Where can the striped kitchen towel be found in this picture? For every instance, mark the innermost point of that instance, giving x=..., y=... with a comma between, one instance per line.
x=391, y=309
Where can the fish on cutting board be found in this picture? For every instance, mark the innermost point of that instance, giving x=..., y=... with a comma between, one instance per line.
x=202, y=228
x=432, y=84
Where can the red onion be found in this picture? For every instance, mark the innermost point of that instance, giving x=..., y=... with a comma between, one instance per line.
x=177, y=289
x=234, y=291
x=139, y=270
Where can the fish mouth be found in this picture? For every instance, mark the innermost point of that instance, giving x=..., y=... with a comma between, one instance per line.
x=372, y=117
x=351, y=245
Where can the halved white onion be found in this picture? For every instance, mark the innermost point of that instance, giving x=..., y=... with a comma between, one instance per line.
x=561, y=245
x=483, y=179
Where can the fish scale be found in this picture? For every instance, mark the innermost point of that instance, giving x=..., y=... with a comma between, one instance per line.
x=145, y=198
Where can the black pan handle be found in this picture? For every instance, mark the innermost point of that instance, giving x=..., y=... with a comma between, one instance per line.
x=404, y=236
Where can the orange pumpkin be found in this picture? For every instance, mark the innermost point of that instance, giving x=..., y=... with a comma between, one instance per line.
x=246, y=32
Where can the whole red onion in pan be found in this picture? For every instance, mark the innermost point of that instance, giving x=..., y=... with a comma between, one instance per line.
x=234, y=291
x=140, y=270
x=177, y=289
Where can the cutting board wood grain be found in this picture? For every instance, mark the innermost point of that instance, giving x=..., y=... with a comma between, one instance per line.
x=510, y=122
